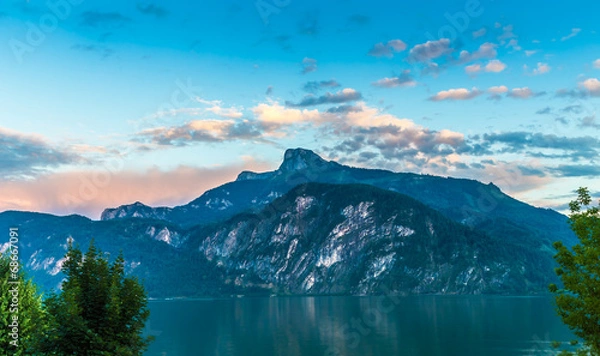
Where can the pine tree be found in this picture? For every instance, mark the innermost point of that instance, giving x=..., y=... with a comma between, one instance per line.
x=100, y=311
x=578, y=303
x=21, y=311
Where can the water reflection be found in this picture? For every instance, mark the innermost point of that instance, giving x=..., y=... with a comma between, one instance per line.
x=369, y=326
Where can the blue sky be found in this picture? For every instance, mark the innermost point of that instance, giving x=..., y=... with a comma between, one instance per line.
x=106, y=103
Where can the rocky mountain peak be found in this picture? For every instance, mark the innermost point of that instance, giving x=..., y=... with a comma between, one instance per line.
x=301, y=159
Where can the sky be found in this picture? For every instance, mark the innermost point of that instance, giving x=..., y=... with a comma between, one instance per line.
x=108, y=103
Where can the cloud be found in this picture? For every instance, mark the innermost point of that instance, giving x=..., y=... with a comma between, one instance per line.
x=589, y=122
x=591, y=86
x=201, y=131
x=30, y=155
x=497, y=91
x=90, y=192
x=573, y=109
x=572, y=93
x=473, y=69
x=515, y=93
x=153, y=10
x=456, y=94
x=545, y=111
x=274, y=115
x=575, y=148
x=216, y=108
x=521, y=93
x=402, y=80
x=309, y=65
x=388, y=49
x=573, y=33
x=514, y=44
x=343, y=96
x=344, y=109
x=582, y=170
x=479, y=33
x=315, y=86
x=429, y=50
x=495, y=66
x=542, y=68
x=507, y=33
x=485, y=51
x=103, y=19
x=530, y=53
x=596, y=64
x=501, y=89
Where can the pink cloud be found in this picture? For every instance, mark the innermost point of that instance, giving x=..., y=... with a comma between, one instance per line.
x=89, y=192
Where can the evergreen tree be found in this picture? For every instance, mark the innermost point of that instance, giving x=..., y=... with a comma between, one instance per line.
x=578, y=303
x=21, y=311
x=99, y=311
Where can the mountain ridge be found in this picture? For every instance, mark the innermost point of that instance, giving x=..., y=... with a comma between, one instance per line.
x=464, y=200
x=179, y=251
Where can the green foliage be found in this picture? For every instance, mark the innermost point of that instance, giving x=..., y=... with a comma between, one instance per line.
x=99, y=312
x=27, y=310
x=578, y=303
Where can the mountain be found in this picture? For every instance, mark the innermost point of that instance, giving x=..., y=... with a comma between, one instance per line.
x=315, y=227
x=358, y=239
x=315, y=239
x=150, y=248
x=465, y=201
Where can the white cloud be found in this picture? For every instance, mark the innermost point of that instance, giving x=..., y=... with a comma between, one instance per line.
x=473, y=69
x=530, y=53
x=573, y=33
x=429, y=50
x=79, y=191
x=485, y=51
x=395, y=82
x=397, y=45
x=514, y=44
x=521, y=93
x=388, y=49
x=309, y=65
x=592, y=86
x=495, y=66
x=456, y=94
x=276, y=114
x=480, y=33
x=498, y=89
x=542, y=68
x=596, y=64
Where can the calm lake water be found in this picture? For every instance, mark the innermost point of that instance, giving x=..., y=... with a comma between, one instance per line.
x=365, y=326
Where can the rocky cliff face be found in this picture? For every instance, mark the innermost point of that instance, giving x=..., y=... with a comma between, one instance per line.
x=355, y=239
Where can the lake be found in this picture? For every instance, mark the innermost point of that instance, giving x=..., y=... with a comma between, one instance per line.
x=365, y=326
